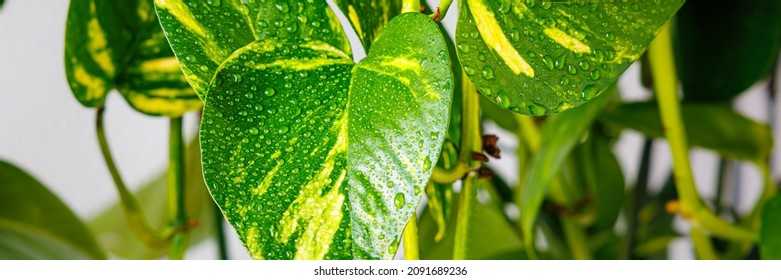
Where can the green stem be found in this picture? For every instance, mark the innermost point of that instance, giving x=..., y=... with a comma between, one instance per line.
x=133, y=213
x=769, y=190
x=176, y=209
x=666, y=87
x=638, y=195
x=576, y=239
x=441, y=11
x=410, y=6
x=464, y=216
x=470, y=143
x=219, y=229
x=721, y=183
x=411, y=249
x=703, y=245
x=529, y=132
x=448, y=176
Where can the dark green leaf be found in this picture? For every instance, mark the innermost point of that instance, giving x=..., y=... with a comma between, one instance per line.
x=605, y=180
x=204, y=34
x=119, y=44
x=297, y=174
x=559, y=136
x=369, y=17
x=710, y=126
x=540, y=58
x=112, y=228
x=27, y=207
x=23, y=242
x=723, y=47
x=770, y=230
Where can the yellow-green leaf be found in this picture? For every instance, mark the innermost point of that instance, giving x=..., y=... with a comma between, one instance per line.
x=120, y=45
x=204, y=34
x=369, y=17
x=311, y=157
x=543, y=57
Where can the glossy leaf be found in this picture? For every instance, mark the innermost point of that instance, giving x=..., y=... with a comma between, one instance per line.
x=369, y=17
x=28, y=208
x=300, y=176
x=770, y=230
x=723, y=47
x=204, y=34
x=559, y=136
x=711, y=126
x=440, y=196
x=23, y=242
x=114, y=234
x=119, y=44
x=539, y=58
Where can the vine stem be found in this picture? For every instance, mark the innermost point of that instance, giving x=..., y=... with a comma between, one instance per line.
x=410, y=6
x=411, y=248
x=219, y=230
x=471, y=142
x=176, y=209
x=635, y=203
x=666, y=87
x=133, y=214
x=441, y=11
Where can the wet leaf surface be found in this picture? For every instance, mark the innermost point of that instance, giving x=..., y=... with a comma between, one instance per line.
x=541, y=58
x=310, y=156
x=120, y=45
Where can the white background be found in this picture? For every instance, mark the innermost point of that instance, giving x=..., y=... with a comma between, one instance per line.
x=45, y=131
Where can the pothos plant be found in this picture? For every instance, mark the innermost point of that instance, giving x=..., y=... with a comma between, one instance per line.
x=311, y=155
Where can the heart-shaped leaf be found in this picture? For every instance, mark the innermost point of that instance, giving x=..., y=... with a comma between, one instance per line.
x=119, y=44
x=724, y=46
x=312, y=157
x=543, y=57
x=204, y=34
x=35, y=224
x=369, y=17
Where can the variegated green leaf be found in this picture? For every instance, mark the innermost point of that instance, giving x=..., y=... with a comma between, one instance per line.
x=369, y=17
x=301, y=176
x=543, y=57
x=204, y=34
x=119, y=44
